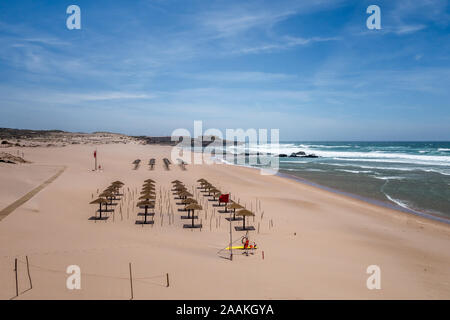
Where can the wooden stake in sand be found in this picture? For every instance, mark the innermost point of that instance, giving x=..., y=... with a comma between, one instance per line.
x=131, y=283
x=28, y=271
x=17, y=282
x=167, y=279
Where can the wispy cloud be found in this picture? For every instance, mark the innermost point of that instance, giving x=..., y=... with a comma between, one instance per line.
x=240, y=76
x=284, y=43
x=293, y=64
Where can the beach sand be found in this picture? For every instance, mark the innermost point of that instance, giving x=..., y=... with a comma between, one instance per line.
x=319, y=246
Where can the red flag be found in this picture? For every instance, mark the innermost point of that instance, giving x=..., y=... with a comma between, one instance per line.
x=95, y=154
x=224, y=198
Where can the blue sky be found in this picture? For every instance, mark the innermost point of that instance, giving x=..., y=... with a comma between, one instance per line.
x=309, y=68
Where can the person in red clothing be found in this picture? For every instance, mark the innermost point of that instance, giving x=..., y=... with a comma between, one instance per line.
x=246, y=242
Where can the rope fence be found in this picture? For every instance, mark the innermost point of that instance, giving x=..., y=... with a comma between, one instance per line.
x=161, y=280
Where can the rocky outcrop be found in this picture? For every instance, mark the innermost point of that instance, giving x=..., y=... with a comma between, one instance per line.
x=9, y=158
x=299, y=154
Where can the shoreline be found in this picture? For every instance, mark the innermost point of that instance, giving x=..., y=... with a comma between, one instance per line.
x=375, y=202
x=393, y=206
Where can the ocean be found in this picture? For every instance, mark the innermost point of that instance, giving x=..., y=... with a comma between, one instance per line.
x=411, y=176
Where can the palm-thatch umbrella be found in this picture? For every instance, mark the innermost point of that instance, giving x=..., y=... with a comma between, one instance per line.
x=147, y=191
x=146, y=204
x=113, y=189
x=147, y=196
x=216, y=193
x=100, y=201
x=193, y=207
x=118, y=184
x=184, y=194
x=150, y=188
x=108, y=195
x=205, y=185
x=176, y=181
x=149, y=180
x=180, y=189
x=213, y=190
x=187, y=202
x=234, y=206
x=245, y=213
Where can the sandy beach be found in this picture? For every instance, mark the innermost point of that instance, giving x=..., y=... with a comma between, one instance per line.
x=316, y=244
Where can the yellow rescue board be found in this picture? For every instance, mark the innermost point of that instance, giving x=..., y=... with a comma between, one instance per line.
x=240, y=248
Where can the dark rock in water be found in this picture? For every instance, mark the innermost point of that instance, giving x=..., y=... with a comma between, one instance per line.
x=310, y=156
x=297, y=154
x=282, y=155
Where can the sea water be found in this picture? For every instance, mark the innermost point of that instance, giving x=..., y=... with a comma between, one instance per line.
x=409, y=175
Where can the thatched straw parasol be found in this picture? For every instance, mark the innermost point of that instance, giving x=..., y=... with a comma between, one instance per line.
x=213, y=190
x=108, y=195
x=205, y=185
x=147, y=191
x=234, y=206
x=147, y=196
x=184, y=194
x=100, y=201
x=245, y=213
x=146, y=204
x=189, y=200
x=193, y=207
x=216, y=194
